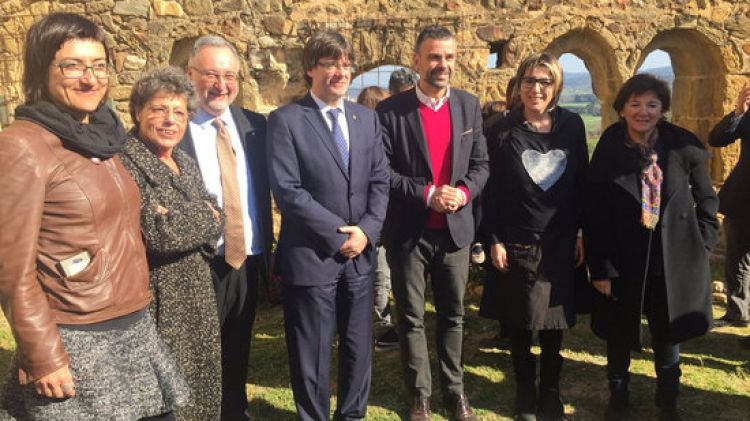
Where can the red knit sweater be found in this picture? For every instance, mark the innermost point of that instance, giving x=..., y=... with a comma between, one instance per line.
x=437, y=131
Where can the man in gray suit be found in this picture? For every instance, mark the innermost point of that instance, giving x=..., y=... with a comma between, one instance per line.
x=438, y=159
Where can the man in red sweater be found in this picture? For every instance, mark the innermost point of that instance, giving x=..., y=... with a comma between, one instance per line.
x=438, y=161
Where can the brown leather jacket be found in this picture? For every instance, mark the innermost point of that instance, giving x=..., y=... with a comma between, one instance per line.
x=54, y=204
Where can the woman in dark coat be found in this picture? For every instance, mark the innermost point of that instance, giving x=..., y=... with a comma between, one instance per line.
x=651, y=221
x=531, y=222
x=181, y=225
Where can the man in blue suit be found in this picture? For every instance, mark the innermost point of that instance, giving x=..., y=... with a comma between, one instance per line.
x=329, y=177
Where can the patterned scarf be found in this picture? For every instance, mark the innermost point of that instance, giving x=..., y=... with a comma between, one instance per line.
x=651, y=180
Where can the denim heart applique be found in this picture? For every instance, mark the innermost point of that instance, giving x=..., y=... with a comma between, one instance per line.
x=544, y=168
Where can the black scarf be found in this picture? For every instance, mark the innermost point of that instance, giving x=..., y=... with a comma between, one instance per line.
x=103, y=137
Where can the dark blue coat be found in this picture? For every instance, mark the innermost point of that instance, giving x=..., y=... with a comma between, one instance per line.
x=316, y=194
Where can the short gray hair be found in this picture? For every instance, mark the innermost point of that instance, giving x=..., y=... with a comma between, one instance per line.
x=212, y=41
x=170, y=80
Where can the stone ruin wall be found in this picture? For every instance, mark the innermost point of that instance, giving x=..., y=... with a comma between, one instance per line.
x=708, y=42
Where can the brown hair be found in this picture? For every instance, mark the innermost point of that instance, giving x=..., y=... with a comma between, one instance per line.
x=371, y=96
x=549, y=62
x=324, y=44
x=639, y=85
x=44, y=39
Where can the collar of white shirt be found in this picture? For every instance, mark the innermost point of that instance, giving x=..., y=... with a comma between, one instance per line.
x=324, y=108
x=202, y=118
x=433, y=104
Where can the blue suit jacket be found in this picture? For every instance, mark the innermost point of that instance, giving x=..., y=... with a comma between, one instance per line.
x=316, y=194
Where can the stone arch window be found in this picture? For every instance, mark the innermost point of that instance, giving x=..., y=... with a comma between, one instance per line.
x=599, y=57
x=372, y=76
x=577, y=95
x=699, y=85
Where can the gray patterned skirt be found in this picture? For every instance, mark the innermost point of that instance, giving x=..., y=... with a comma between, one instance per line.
x=119, y=374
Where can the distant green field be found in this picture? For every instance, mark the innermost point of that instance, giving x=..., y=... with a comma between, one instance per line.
x=592, y=122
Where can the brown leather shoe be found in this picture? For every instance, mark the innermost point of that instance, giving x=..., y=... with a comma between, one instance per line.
x=459, y=409
x=420, y=409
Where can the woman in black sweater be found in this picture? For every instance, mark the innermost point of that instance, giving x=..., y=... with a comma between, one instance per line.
x=534, y=199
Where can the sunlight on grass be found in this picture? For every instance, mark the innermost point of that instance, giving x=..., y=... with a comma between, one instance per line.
x=715, y=380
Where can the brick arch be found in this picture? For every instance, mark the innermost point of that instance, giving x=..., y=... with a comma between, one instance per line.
x=700, y=82
x=599, y=57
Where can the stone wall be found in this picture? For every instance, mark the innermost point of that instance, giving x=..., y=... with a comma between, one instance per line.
x=708, y=41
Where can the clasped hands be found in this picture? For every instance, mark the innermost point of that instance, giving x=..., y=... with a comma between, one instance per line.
x=447, y=199
x=356, y=242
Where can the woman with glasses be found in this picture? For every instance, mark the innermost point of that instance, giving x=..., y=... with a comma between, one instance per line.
x=533, y=215
x=650, y=223
x=181, y=224
x=74, y=275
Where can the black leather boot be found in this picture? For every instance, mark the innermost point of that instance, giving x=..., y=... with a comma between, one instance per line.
x=619, y=400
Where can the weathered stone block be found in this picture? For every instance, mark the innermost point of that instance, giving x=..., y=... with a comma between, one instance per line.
x=120, y=92
x=230, y=6
x=132, y=8
x=134, y=62
x=99, y=7
x=40, y=8
x=278, y=25
x=198, y=7
x=267, y=42
x=120, y=57
x=168, y=8
x=490, y=33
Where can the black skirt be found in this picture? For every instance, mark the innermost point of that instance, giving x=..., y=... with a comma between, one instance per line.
x=537, y=290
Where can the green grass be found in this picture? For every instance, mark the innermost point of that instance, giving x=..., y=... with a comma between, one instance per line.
x=716, y=374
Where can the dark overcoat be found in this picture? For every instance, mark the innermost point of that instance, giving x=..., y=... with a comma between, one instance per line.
x=617, y=245
x=179, y=245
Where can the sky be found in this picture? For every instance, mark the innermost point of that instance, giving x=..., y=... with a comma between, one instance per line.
x=569, y=62
x=657, y=58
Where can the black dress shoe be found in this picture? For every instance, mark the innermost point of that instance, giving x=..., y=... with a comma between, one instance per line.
x=727, y=322
x=459, y=409
x=420, y=409
x=669, y=414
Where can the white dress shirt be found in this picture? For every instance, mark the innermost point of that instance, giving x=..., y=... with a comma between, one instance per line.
x=204, y=134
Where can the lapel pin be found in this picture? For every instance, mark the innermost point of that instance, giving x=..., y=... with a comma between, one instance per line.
x=354, y=116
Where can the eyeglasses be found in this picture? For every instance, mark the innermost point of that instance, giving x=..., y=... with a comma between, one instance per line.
x=530, y=82
x=158, y=111
x=331, y=65
x=76, y=69
x=210, y=75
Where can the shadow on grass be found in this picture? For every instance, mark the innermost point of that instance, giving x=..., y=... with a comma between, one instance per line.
x=715, y=383
x=261, y=409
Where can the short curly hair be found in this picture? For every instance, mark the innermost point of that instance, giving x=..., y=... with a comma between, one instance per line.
x=639, y=85
x=170, y=80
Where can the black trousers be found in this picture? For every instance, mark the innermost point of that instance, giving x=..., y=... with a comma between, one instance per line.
x=236, y=296
x=448, y=269
x=666, y=353
x=312, y=315
x=737, y=267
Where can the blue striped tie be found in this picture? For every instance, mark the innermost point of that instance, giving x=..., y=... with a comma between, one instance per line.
x=338, y=135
